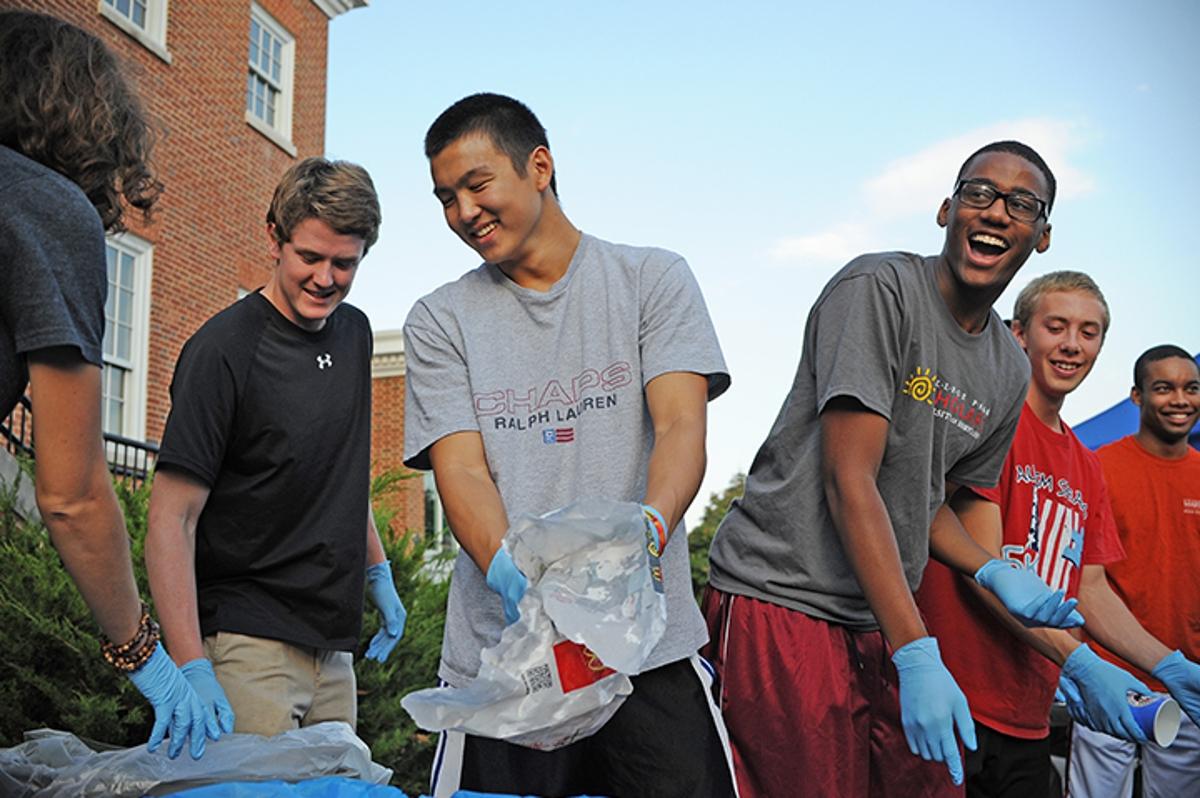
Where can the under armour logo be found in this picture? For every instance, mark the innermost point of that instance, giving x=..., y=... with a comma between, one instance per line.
x=324, y=361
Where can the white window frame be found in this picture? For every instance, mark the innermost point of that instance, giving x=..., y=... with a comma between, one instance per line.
x=134, y=414
x=153, y=36
x=281, y=132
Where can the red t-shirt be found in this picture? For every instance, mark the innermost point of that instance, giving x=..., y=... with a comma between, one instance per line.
x=1056, y=518
x=1156, y=504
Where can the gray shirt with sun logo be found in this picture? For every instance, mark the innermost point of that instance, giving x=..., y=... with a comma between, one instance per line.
x=880, y=333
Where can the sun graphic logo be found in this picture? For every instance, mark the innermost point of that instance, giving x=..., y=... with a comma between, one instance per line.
x=920, y=385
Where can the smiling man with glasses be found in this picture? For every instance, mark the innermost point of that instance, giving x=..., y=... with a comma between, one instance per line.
x=909, y=386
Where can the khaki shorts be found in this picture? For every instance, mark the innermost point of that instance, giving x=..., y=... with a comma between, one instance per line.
x=275, y=686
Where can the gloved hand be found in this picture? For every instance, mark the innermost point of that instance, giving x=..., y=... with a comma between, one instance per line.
x=506, y=578
x=1094, y=691
x=199, y=673
x=1182, y=679
x=382, y=591
x=176, y=706
x=931, y=705
x=1027, y=597
x=656, y=540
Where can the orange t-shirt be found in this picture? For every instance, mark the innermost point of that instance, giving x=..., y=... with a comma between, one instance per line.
x=1156, y=505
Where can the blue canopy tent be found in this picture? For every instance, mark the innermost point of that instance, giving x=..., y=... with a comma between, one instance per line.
x=1116, y=422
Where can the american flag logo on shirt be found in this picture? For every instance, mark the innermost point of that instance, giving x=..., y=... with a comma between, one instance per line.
x=558, y=435
x=1055, y=543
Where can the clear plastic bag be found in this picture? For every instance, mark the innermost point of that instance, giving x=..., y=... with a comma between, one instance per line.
x=591, y=616
x=56, y=764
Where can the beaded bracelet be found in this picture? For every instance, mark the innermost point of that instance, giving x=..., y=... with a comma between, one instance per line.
x=130, y=656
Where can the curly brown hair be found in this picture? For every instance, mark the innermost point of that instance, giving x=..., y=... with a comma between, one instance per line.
x=65, y=103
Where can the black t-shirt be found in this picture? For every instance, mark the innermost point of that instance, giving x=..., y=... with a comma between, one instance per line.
x=51, y=268
x=277, y=422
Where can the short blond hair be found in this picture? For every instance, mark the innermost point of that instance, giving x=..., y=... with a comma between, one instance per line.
x=338, y=193
x=1031, y=294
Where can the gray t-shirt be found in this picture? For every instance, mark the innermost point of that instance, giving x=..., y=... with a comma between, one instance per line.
x=554, y=383
x=881, y=333
x=52, y=268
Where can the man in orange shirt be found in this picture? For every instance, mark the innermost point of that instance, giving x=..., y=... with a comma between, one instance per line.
x=1153, y=481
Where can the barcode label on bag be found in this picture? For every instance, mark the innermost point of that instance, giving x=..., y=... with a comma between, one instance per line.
x=538, y=678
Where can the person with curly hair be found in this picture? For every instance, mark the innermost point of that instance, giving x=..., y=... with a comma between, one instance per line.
x=75, y=146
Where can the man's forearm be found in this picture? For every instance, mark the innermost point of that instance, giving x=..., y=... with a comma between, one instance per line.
x=951, y=545
x=375, y=552
x=474, y=511
x=676, y=469
x=171, y=569
x=869, y=541
x=1111, y=623
x=677, y=403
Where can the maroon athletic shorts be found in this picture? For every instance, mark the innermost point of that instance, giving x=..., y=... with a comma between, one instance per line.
x=812, y=708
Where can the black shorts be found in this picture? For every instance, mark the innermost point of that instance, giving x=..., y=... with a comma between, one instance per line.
x=1003, y=766
x=667, y=739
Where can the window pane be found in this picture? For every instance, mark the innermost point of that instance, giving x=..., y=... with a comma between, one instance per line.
x=125, y=307
x=124, y=336
x=123, y=6
x=126, y=270
x=114, y=399
x=108, y=352
x=110, y=257
x=249, y=91
x=139, y=13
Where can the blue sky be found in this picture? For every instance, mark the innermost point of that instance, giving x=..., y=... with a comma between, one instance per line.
x=769, y=142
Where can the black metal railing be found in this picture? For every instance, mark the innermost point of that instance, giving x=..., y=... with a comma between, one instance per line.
x=128, y=459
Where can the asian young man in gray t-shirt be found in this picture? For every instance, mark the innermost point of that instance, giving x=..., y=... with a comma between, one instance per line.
x=562, y=367
x=908, y=386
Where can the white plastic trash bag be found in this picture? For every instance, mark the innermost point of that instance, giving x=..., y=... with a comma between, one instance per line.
x=56, y=764
x=591, y=616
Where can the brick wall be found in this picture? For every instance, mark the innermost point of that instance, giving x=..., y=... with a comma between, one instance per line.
x=387, y=432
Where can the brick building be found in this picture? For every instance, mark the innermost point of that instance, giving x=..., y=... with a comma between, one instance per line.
x=238, y=90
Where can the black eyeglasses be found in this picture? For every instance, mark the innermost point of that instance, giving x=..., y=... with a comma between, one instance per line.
x=1021, y=205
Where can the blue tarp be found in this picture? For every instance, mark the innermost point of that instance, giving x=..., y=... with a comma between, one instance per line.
x=1116, y=422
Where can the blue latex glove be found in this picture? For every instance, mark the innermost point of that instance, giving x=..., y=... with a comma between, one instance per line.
x=931, y=705
x=1094, y=691
x=506, y=578
x=382, y=591
x=177, y=708
x=1182, y=679
x=199, y=673
x=656, y=540
x=1027, y=597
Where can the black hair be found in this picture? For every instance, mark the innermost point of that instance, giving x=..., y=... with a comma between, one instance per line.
x=1153, y=355
x=1021, y=151
x=509, y=123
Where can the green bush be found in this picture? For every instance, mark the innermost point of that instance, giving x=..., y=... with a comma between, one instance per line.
x=52, y=675
x=395, y=740
x=51, y=672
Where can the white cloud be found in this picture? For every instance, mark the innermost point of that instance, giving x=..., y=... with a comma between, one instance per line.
x=836, y=245
x=915, y=184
